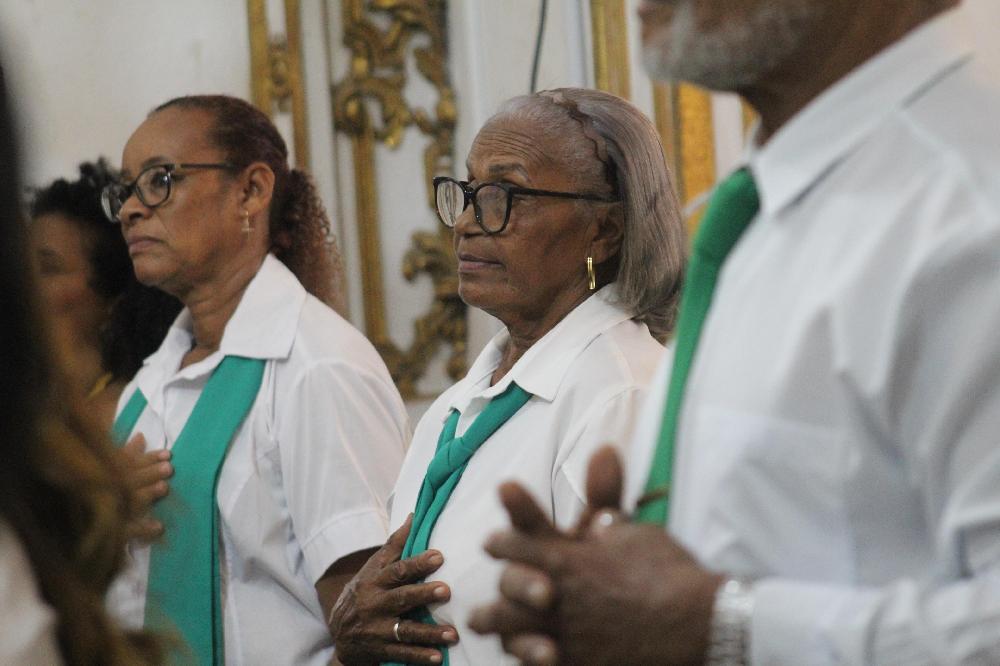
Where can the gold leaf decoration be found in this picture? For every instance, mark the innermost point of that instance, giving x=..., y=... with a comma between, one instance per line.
x=369, y=105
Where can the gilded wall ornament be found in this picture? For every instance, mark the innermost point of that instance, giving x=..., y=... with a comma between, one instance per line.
x=369, y=105
x=276, y=71
x=682, y=112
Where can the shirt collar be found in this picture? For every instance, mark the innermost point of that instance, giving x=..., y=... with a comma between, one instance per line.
x=267, y=317
x=541, y=370
x=263, y=327
x=834, y=123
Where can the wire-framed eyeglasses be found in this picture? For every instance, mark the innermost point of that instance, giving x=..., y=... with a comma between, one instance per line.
x=152, y=186
x=491, y=202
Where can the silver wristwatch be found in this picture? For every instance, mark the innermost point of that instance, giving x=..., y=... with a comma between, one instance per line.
x=729, y=633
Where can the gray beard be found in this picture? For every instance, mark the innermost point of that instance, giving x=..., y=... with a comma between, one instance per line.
x=737, y=54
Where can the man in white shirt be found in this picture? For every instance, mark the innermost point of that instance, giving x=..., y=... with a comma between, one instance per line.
x=836, y=495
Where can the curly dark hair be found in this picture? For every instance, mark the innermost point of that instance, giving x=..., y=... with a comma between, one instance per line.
x=299, y=227
x=62, y=490
x=140, y=315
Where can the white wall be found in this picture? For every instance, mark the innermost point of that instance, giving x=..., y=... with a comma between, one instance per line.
x=85, y=74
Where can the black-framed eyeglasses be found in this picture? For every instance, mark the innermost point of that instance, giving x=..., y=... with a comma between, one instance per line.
x=490, y=201
x=152, y=186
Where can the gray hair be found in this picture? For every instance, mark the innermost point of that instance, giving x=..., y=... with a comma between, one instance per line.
x=629, y=160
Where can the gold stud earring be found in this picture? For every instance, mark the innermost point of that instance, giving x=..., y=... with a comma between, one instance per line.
x=246, y=223
x=591, y=276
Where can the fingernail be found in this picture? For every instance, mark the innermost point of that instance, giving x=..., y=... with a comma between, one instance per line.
x=538, y=593
x=165, y=468
x=436, y=559
x=542, y=654
x=163, y=454
x=441, y=592
x=449, y=636
x=436, y=658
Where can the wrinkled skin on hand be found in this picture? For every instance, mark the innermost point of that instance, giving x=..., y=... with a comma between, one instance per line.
x=607, y=592
x=146, y=475
x=373, y=601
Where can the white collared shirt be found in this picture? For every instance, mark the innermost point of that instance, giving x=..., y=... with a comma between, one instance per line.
x=29, y=624
x=308, y=472
x=588, y=377
x=840, y=437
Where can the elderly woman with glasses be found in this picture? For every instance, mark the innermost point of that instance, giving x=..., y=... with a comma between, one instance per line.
x=283, y=430
x=567, y=231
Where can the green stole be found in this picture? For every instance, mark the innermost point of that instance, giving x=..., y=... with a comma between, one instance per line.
x=732, y=207
x=445, y=471
x=183, y=586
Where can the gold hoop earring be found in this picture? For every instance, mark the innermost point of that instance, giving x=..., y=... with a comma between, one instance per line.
x=591, y=276
x=246, y=223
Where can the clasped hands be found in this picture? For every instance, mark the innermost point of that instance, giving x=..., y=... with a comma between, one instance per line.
x=606, y=592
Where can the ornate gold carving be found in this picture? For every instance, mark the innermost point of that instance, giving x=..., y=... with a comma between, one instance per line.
x=260, y=71
x=276, y=71
x=369, y=106
x=663, y=118
x=693, y=113
x=280, y=81
x=683, y=115
x=610, y=40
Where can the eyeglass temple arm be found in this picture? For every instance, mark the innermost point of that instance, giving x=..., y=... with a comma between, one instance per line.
x=562, y=195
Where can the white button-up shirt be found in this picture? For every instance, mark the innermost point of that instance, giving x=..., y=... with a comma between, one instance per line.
x=840, y=438
x=588, y=378
x=308, y=472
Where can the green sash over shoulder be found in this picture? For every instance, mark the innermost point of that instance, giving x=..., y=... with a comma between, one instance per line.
x=730, y=211
x=445, y=471
x=183, y=585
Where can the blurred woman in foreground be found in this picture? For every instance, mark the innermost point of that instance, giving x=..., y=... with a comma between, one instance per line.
x=63, y=505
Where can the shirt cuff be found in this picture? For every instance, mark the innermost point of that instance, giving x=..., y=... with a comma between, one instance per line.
x=808, y=624
x=342, y=535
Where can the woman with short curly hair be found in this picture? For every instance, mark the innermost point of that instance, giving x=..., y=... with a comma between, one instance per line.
x=105, y=321
x=282, y=426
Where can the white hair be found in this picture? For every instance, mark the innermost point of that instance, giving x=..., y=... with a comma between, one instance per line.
x=628, y=159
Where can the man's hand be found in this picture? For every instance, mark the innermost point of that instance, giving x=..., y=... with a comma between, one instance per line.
x=373, y=602
x=146, y=476
x=607, y=593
